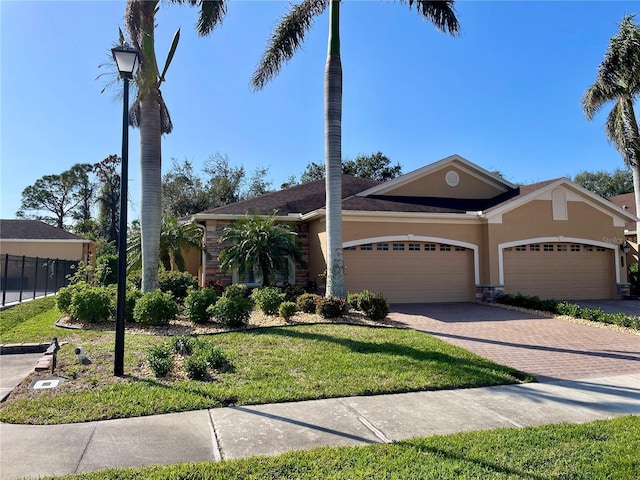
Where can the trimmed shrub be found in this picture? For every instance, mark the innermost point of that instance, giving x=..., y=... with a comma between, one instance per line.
x=268, y=299
x=197, y=303
x=160, y=360
x=353, y=300
x=373, y=305
x=232, y=311
x=287, y=310
x=155, y=308
x=308, y=302
x=91, y=304
x=292, y=292
x=177, y=283
x=64, y=298
x=131, y=298
x=330, y=307
x=196, y=366
x=236, y=290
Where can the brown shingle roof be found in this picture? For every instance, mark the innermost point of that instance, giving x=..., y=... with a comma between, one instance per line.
x=300, y=199
x=626, y=201
x=33, y=230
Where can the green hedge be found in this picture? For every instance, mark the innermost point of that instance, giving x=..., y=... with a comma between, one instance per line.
x=571, y=309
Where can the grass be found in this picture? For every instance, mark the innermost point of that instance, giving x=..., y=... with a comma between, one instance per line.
x=605, y=449
x=268, y=365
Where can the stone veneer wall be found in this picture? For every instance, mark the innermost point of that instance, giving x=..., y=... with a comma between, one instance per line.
x=624, y=290
x=488, y=293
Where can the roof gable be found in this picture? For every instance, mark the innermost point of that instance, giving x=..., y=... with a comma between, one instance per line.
x=544, y=191
x=453, y=177
x=33, y=230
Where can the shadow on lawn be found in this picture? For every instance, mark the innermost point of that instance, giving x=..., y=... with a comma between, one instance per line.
x=393, y=349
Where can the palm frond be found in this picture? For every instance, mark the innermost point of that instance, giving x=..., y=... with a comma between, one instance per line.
x=598, y=94
x=211, y=13
x=286, y=39
x=439, y=12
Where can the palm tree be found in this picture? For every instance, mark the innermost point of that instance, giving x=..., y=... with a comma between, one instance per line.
x=175, y=239
x=284, y=42
x=618, y=81
x=149, y=112
x=260, y=242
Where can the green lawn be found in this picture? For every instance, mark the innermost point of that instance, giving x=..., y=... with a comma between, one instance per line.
x=267, y=365
x=606, y=449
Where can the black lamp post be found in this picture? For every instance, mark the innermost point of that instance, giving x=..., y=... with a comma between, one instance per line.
x=127, y=60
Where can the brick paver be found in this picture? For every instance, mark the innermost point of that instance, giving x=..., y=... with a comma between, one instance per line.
x=548, y=348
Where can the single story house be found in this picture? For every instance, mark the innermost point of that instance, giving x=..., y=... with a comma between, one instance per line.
x=450, y=231
x=33, y=238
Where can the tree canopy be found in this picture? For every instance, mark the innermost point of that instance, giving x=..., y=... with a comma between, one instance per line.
x=61, y=197
x=606, y=184
x=375, y=166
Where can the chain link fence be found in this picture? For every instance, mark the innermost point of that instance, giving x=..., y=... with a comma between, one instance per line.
x=26, y=278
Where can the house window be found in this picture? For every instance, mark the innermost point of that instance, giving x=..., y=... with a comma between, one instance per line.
x=575, y=248
x=588, y=248
x=414, y=247
x=253, y=277
x=429, y=247
x=382, y=246
x=366, y=246
x=561, y=248
x=534, y=247
x=349, y=248
x=548, y=247
x=398, y=247
x=521, y=248
x=445, y=248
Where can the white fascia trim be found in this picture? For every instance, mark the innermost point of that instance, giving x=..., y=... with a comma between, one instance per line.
x=420, y=238
x=560, y=239
x=386, y=215
x=292, y=217
x=599, y=203
x=432, y=167
x=43, y=240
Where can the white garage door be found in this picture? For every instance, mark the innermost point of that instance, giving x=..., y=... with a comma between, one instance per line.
x=411, y=272
x=560, y=271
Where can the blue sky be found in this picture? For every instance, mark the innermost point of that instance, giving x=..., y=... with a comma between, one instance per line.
x=505, y=94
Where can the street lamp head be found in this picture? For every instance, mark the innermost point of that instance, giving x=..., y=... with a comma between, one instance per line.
x=127, y=59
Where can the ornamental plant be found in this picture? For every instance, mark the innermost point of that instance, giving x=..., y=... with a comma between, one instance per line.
x=155, y=308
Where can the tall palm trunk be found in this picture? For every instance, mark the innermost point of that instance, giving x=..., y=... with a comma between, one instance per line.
x=150, y=204
x=333, y=156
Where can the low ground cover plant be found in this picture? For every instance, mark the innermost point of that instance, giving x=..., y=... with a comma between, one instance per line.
x=287, y=310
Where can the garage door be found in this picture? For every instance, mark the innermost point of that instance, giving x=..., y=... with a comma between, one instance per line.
x=560, y=271
x=407, y=272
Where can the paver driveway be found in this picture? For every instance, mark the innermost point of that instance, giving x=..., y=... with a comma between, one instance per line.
x=550, y=349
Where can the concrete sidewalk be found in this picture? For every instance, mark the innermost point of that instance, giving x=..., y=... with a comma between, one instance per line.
x=235, y=432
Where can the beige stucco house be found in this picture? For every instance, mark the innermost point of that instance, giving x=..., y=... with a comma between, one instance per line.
x=450, y=231
x=33, y=238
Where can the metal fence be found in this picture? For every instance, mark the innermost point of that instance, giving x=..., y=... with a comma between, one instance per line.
x=25, y=278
